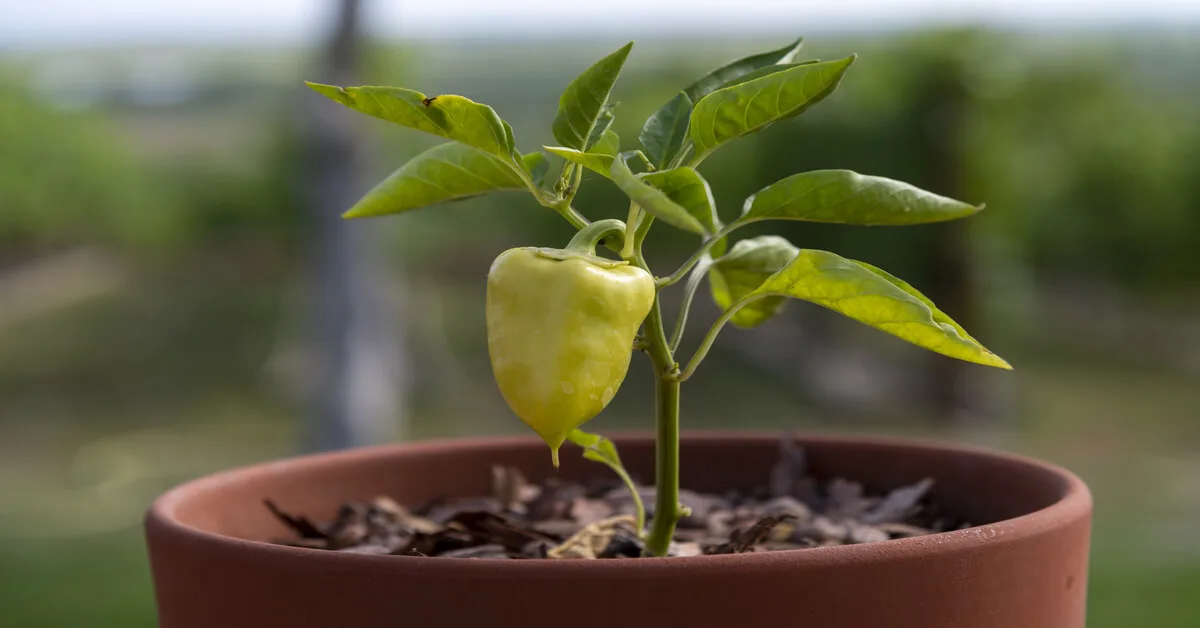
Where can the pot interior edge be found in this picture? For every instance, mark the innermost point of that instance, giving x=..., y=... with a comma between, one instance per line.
x=976, y=486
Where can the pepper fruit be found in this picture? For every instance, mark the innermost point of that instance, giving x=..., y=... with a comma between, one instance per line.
x=561, y=325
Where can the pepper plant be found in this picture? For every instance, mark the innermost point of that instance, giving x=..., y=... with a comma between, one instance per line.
x=563, y=323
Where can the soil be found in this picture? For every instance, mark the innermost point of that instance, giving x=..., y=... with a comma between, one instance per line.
x=792, y=510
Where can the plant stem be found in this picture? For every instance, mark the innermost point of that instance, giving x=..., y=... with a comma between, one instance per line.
x=631, y=225
x=711, y=336
x=599, y=449
x=682, y=155
x=573, y=186
x=588, y=237
x=685, y=305
x=574, y=217
x=683, y=270
x=639, y=509
x=666, y=505
x=666, y=399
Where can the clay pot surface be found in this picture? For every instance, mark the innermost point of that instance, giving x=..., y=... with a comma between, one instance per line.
x=1026, y=569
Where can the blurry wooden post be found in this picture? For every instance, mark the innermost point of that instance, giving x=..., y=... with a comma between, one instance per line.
x=955, y=390
x=357, y=353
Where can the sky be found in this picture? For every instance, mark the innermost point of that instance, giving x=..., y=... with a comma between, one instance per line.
x=85, y=23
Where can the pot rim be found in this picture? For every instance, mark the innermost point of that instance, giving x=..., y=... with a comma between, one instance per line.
x=1075, y=503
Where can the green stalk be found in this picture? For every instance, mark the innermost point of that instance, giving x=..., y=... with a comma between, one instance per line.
x=687, y=266
x=631, y=222
x=666, y=400
x=685, y=306
x=711, y=336
x=588, y=237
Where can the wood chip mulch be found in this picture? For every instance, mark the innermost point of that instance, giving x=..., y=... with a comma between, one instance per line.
x=560, y=520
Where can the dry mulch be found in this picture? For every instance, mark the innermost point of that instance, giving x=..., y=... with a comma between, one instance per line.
x=557, y=519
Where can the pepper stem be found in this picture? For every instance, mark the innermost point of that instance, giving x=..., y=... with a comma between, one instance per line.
x=667, y=509
x=588, y=237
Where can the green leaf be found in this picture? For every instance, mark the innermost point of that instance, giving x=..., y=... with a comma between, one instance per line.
x=603, y=122
x=452, y=117
x=767, y=71
x=609, y=144
x=599, y=158
x=653, y=200
x=665, y=130
x=938, y=316
x=742, y=270
x=446, y=172
x=600, y=449
x=689, y=190
x=732, y=112
x=584, y=99
x=842, y=196
x=513, y=153
x=718, y=248
x=537, y=166
x=875, y=298
x=719, y=77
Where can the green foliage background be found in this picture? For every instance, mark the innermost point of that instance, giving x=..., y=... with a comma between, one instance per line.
x=1086, y=149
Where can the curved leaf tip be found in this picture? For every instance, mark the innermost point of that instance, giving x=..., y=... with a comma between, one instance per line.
x=847, y=197
x=447, y=172
x=743, y=108
x=332, y=92
x=584, y=102
x=859, y=291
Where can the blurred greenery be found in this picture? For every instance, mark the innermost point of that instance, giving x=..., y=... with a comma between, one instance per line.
x=171, y=350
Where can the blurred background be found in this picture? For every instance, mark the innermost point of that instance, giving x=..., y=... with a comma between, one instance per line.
x=178, y=295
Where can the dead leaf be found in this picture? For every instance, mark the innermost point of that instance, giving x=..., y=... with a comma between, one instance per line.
x=350, y=527
x=787, y=505
x=490, y=550
x=371, y=548
x=820, y=530
x=846, y=500
x=792, y=466
x=585, y=511
x=902, y=530
x=899, y=504
x=301, y=524
x=489, y=527
x=743, y=541
x=511, y=489
x=591, y=541
x=553, y=501
x=865, y=534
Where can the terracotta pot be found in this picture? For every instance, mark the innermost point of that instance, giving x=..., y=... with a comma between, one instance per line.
x=1028, y=569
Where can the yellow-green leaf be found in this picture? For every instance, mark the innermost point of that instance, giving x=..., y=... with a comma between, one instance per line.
x=600, y=449
x=742, y=270
x=452, y=117
x=447, y=172
x=665, y=130
x=583, y=101
x=537, y=166
x=653, y=200
x=875, y=298
x=842, y=196
x=734, y=111
x=689, y=190
x=598, y=159
x=722, y=76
